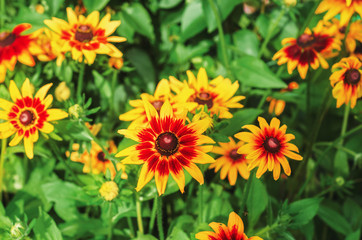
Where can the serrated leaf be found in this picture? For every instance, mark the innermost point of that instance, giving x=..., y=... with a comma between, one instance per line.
x=45, y=228
x=334, y=220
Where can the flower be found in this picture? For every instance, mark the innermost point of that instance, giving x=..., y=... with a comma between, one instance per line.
x=346, y=81
x=203, y=115
x=310, y=48
x=62, y=92
x=354, y=39
x=290, y=3
x=162, y=94
x=109, y=190
x=95, y=161
x=116, y=63
x=267, y=147
x=345, y=8
x=167, y=146
x=217, y=94
x=87, y=36
x=27, y=114
x=233, y=231
x=15, y=47
x=276, y=105
x=230, y=162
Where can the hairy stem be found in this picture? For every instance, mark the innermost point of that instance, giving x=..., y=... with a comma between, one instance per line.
x=159, y=218
x=2, y=158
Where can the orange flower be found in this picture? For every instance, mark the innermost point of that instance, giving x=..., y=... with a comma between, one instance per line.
x=276, y=105
x=233, y=231
x=15, y=47
x=230, y=162
x=267, y=147
x=116, y=63
x=27, y=115
x=167, y=146
x=346, y=81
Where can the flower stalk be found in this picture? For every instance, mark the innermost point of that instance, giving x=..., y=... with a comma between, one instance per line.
x=246, y=193
x=139, y=214
x=80, y=81
x=159, y=218
x=2, y=158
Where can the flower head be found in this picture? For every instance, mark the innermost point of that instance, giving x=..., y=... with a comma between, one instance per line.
x=167, y=146
x=87, y=35
x=27, y=115
x=116, y=63
x=267, y=147
x=16, y=47
x=347, y=81
x=217, y=95
x=233, y=231
x=277, y=105
x=345, y=7
x=231, y=162
x=310, y=48
x=109, y=190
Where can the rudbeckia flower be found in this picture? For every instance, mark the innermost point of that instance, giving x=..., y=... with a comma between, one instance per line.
x=217, y=94
x=167, y=146
x=346, y=81
x=116, y=63
x=267, y=147
x=231, y=162
x=27, y=115
x=16, y=47
x=310, y=48
x=233, y=231
x=354, y=39
x=344, y=7
x=161, y=94
x=277, y=105
x=87, y=35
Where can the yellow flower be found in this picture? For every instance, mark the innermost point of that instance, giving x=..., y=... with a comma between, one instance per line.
x=290, y=3
x=116, y=63
x=203, y=115
x=87, y=35
x=217, y=95
x=109, y=190
x=27, y=115
x=62, y=92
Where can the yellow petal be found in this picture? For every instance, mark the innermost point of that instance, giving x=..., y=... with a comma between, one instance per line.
x=6, y=105
x=14, y=91
x=92, y=19
x=47, y=128
x=235, y=222
x=56, y=114
x=145, y=176
x=126, y=152
x=26, y=89
x=166, y=110
x=15, y=141
x=42, y=92
x=72, y=17
x=29, y=147
x=195, y=172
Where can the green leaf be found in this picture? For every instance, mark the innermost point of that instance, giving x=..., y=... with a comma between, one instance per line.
x=220, y=138
x=240, y=118
x=303, y=211
x=355, y=235
x=177, y=234
x=125, y=29
x=92, y=5
x=255, y=73
x=54, y=6
x=334, y=220
x=169, y=3
x=246, y=42
x=193, y=20
x=257, y=201
x=45, y=228
x=140, y=236
x=73, y=130
x=101, y=84
x=341, y=163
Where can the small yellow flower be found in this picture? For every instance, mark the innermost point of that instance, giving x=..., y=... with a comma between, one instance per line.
x=75, y=111
x=203, y=115
x=62, y=92
x=39, y=8
x=116, y=63
x=109, y=190
x=290, y=3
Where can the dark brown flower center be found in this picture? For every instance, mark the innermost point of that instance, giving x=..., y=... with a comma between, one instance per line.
x=342, y=29
x=157, y=104
x=26, y=117
x=234, y=155
x=358, y=49
x=167, y=143
x=271, y=144
x=305, y=40
x=6, y=39
x=84, y=33
x=204, y=98
x=101, y=157
x=352, y=76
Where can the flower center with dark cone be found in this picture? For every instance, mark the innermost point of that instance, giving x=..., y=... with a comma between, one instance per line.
x=352, y=76
x=167, y=143
x=305, y=40
x=84, y=33
x=157, y=104
x=101, y=157
x=234, y=155
x=271, y=144
x=204, y=98
x=342, y=29
x=6, y=39
x=26, y=117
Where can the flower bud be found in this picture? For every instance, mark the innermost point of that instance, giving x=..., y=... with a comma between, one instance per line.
x=109, y=190
x=62, y=92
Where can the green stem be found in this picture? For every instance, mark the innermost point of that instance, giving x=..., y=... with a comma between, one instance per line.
x=80, y=81
x=131, y=228
x=2, y=15
x=270, y=33
x=110, y=224
x=246, y=193
x=267, y=229
x=309, y=18
x=201, y=204
x=2, y=158
x=346, y=150
x=263, y=98
x=345, y=121
x=153, y=216
x=159, y=218
x=113, y=85
x=139, y=214
x=221, y=36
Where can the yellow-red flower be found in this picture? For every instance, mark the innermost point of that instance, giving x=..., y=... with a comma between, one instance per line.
x=344, y=7
x=167, y=146
x=16, y=47
x=346, y=81
x=230, y=162
x=162, y=94
x=116, y=63
x=27, y=115
x=217, y=95
x=267, y=147
x=87, y=35
x=233, y=231
x=354, y=39
x=276, y=105
x=310, y=48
